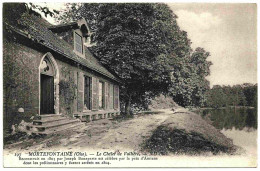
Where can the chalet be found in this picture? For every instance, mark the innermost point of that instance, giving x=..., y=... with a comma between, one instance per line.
x=49, y=73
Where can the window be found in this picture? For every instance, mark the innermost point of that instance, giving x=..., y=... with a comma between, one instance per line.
x=78, y=43
x=111, y=96
x=87, y=93
x=101, y=93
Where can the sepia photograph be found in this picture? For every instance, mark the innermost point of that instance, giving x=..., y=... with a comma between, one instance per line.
x=129, y=85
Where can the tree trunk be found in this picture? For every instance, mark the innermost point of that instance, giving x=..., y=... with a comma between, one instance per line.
x=128, y=106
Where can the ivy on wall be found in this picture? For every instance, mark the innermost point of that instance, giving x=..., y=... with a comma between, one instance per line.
x=68, y=90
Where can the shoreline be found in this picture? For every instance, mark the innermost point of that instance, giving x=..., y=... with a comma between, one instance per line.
x=206, y=108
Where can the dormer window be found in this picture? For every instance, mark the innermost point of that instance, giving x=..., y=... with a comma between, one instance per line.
x=79, y=40
x=80, y=32
x=78, y=43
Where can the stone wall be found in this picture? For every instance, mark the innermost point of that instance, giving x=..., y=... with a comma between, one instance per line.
x=20, y=82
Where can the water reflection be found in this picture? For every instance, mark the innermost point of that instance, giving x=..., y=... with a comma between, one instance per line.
x=231, y=117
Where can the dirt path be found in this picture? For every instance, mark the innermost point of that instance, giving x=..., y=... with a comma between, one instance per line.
x=125, y=135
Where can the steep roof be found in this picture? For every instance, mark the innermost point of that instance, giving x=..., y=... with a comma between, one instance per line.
x=36, y=29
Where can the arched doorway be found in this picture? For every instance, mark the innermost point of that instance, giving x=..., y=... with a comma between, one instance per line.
x=49, y=88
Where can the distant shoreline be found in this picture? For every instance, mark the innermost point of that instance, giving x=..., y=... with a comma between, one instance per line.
x=203, y=108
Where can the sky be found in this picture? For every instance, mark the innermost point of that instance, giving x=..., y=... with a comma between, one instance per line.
x=228, y=31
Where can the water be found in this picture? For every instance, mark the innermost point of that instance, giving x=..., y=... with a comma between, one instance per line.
x=228, y=118
x=240, y=125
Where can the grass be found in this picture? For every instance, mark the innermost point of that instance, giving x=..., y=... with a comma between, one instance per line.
x=164, y=141
x=121, y=118
x=20, y=136
x=149, y=112
x=187, y=133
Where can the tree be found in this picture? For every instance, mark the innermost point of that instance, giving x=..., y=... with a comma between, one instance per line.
x=216, y=98
x=250, y=92
x=201, y=70
x=190, y=85
x=12, y=12
x=237, y=95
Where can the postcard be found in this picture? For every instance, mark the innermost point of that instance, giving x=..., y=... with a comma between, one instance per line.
x=130, y=85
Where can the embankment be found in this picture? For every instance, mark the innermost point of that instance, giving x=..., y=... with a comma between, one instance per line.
x=184, y=132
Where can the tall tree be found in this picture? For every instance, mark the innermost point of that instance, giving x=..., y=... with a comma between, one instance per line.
x=190, y=86
x=201, y=70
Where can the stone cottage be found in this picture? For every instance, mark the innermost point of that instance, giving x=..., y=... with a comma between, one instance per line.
x=50, y=74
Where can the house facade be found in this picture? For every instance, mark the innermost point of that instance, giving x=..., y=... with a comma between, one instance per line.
x=48, y=70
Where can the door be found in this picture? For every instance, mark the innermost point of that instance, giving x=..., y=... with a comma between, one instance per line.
x=47, y=94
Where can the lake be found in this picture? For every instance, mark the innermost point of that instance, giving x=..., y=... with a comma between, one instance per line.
x=240, y=125
x=231, y=117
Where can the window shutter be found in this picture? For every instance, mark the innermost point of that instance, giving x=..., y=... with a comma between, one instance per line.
x=97, y=92
x=95, y=82
x=91, y=90
x=111, y=96
x=116, y=97
x=106, y=95
x=80, y=92
x=87, y=92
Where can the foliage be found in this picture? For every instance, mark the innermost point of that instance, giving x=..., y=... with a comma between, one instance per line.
x=250, y=92
x=44, y=10
x=216, y=97
x=201, y=70
x=178, y=141
x=162, y=102
x=190, y=83
x=237, y=95
x=12, y=12
x=72, y=12
x=67, y=88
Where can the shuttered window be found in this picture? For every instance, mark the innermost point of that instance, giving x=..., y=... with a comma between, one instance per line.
x=78, y=43
x=116, y=97
x=111, y=96
x=101, y=95
x=80, y=91
x=95, y=83
x=87, y=93
x=106, y=95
